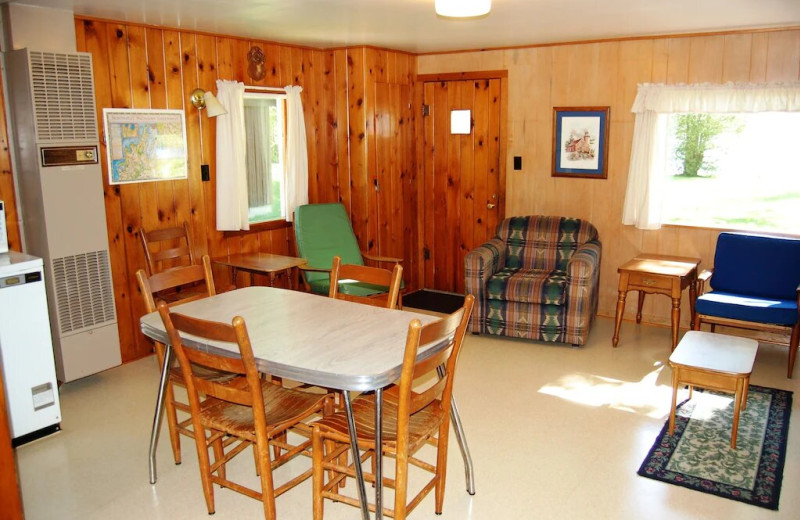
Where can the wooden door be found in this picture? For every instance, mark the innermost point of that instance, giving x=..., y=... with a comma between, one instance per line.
x=464, y=184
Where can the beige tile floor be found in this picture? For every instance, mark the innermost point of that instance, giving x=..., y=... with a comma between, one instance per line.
x=555, y=432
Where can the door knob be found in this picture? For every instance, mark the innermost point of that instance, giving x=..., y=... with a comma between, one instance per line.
x=490, y=205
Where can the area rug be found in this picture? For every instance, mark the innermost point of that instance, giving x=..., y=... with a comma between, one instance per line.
x=699, y=456
x=434, y=301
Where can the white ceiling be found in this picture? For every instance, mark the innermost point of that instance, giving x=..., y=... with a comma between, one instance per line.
x=412, y=25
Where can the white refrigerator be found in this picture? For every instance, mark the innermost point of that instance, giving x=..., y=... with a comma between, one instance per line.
x=26, y=348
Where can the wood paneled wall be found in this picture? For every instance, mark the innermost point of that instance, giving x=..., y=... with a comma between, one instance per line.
x=607, y=74
x=151, y=67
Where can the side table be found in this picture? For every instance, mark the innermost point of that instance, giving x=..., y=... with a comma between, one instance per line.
x=714, y=361
x=657, y=274
x=261, y=263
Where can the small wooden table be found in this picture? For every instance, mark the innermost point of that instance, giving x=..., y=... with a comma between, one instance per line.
x=261, y=263
x=714, y=361
x=657, y=274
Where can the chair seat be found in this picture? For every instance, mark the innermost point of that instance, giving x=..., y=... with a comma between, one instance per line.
x=282, y=407
x=421, y=424
x=747, y=308
x=528, y=286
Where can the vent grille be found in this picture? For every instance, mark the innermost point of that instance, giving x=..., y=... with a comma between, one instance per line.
x=63, y=96
x=84, y=293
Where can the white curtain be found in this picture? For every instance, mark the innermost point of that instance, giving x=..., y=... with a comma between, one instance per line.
x=297, y=153
x=654, y=102
x=232, y=207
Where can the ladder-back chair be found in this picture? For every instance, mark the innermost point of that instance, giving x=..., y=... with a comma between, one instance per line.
x=252, y=412
x=412, y=418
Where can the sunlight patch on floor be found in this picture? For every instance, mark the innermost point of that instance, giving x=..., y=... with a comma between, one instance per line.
x=642, y=397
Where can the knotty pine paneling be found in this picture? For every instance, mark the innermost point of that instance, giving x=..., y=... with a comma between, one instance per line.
x=606, y=74
x=140, y=66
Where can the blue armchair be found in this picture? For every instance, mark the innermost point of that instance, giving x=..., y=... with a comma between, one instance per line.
x=755, y=285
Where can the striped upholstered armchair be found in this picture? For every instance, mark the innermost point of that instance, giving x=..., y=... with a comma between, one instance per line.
x=536, y=279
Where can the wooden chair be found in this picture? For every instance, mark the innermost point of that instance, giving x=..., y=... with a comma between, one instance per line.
x=166, y=248
x=382, y=279
x=411, y=420
x=150, y=287
x=255, y=412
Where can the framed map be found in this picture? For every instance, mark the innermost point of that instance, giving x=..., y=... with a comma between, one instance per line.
x=145, y=145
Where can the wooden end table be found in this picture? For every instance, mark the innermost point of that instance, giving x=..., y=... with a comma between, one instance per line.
x=717, y=362
x=657, y=274
x=261, y=263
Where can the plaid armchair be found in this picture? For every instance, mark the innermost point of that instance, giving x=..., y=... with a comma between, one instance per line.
x=536, y=279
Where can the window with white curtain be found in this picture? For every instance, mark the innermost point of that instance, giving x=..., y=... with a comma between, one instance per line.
x=265, y=137
x=714, y=155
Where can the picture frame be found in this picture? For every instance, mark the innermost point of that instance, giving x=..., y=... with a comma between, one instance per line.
x=580, y=142
x=145, y=145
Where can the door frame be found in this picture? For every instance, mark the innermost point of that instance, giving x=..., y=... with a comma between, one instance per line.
x=419, y=99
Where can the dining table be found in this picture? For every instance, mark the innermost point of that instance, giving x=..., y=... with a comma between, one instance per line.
x=315, y=340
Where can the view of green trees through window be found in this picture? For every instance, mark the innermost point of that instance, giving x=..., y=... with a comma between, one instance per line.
x=733, y=171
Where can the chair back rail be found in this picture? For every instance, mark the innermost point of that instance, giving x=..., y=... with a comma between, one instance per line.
x=373, y=276
x=166, y=248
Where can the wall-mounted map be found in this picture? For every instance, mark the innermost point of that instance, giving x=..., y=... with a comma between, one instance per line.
x=145, y=145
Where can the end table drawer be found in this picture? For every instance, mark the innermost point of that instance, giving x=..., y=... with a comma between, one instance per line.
x=649, y=281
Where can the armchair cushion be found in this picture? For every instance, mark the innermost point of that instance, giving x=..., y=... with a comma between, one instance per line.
x=528, y=286
x=748, y=308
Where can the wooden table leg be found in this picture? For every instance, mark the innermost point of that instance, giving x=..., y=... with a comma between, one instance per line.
x=639, y=305
x=737, y=408
x=676, y=320
x=618, y=316
x=674, y=400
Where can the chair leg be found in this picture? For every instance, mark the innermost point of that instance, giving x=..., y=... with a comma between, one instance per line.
x=219, y=454
x=267, y=485
x=172, y=423
x=317, y=456
x=205, y=468
x=441, y=466
x=793, y=344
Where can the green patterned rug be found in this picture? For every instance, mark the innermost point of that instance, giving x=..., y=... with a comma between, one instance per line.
x=699, y=455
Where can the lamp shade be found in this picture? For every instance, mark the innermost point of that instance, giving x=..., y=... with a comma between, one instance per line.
x=462, y=8
x=213, y=107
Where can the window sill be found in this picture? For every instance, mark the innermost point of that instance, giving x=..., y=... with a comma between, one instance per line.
x=257, y=228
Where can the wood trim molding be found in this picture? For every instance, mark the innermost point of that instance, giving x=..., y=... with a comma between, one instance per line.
x=456, y=76
x=257, y=228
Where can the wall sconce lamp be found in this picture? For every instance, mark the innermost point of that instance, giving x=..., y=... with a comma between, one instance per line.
x=205, y=99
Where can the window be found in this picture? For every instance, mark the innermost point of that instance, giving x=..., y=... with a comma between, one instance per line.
x=715, y=155
x=265, y=125
x=732, y=171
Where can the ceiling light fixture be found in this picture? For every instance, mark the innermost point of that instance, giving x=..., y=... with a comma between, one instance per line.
x=462, y=8
x=205, y=99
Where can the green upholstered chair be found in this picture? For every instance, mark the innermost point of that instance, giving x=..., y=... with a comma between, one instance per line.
x=323, y=231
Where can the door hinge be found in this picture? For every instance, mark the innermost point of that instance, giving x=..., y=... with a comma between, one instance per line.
x=426, y=110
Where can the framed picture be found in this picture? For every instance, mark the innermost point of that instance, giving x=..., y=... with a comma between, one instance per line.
x=145, y=145
x=580, y=142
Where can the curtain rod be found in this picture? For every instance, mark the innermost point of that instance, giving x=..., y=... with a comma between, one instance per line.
x=276, y=90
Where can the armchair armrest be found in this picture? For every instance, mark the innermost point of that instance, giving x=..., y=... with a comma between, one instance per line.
x=703, y=277
x=381, y=259
x=585, y=262
x=479, y=265
x=311, y=269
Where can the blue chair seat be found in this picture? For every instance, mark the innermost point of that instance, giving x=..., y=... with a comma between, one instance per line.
x=747, y=308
